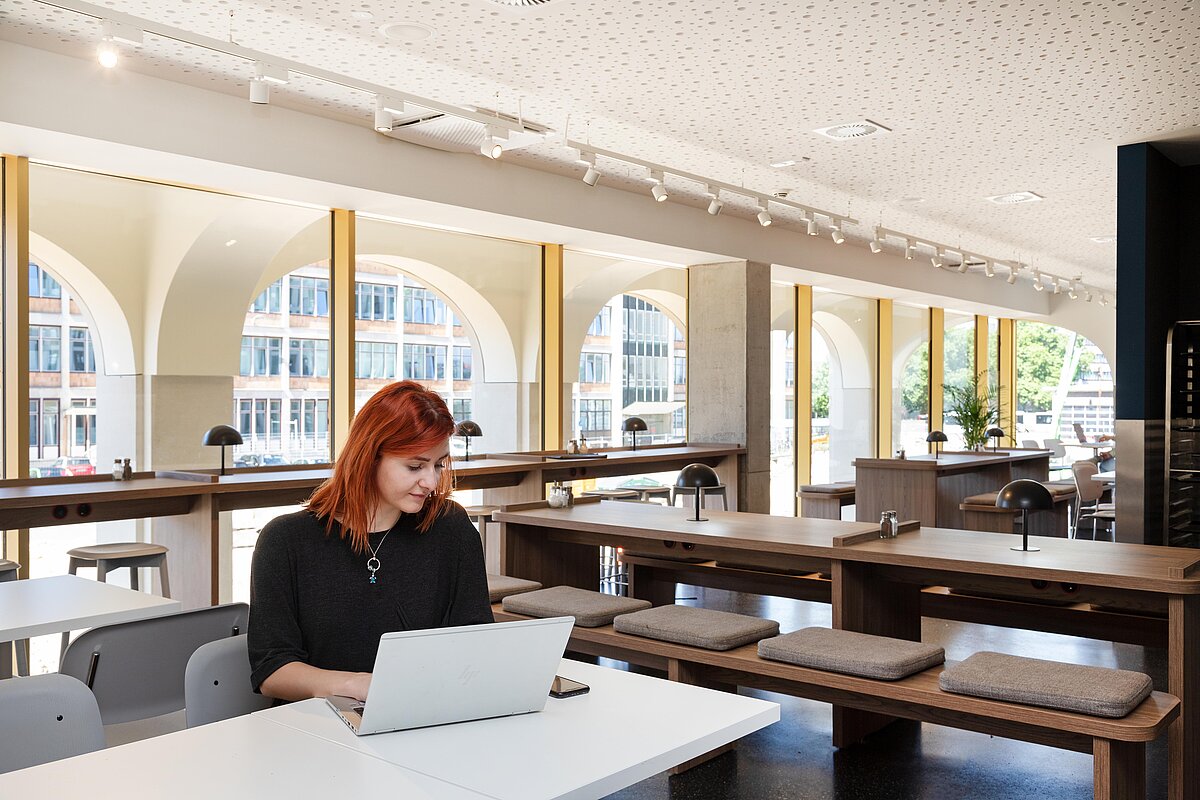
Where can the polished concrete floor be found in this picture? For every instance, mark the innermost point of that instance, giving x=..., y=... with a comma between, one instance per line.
x=794, y=758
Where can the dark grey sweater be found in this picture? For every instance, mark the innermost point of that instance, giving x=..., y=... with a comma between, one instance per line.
x=311, y=599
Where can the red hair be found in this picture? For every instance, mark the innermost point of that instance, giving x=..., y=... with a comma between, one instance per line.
x=401, y=419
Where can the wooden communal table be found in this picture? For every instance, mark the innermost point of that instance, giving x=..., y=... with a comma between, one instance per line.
x=186, y=506
x=930, y=490
x=877, y=583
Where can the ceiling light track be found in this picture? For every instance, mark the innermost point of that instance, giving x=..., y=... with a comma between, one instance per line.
x=277, y=66
x=713, y=188
x=967, y=259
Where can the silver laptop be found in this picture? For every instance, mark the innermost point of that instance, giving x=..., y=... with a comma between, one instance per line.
x=442, y=675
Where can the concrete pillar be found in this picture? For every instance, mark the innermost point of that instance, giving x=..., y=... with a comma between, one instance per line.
x=729, y=368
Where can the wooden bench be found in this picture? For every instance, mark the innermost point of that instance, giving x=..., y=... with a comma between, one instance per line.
x=1118, y=746
x=825, y=500
x=981, y=514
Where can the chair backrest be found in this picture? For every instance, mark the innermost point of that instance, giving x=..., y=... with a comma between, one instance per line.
x=1086, y=489
x=1056, y=447
x=136, y=668
x=45, y=718
x=1079, y=432
x=1030, y=444
x=216, y=685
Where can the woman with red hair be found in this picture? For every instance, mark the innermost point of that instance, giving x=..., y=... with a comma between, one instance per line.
x=380, y=548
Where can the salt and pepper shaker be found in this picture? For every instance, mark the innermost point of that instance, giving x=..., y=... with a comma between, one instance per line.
x=900, y=454
x=118, y=471
x=126, y=471
x=889, y=525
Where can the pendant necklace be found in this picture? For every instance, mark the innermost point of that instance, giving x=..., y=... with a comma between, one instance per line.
x=373, y=561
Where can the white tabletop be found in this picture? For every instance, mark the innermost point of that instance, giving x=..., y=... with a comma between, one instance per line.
x=627, y=728
x=39, y=606
x=246, y=758
x=1105, y=477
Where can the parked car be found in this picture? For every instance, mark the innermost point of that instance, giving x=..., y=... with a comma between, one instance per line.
x=74, y=465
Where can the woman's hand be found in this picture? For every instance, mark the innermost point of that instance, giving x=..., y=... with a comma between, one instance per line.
x=356, y=685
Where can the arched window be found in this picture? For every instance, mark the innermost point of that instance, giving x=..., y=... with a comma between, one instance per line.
x=281, y=390
x=1063, y=380
x=62, y=379
x=633, y=363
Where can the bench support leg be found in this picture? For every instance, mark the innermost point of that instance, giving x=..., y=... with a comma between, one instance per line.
x=1119, y=769
x=1183, y=681
x=865, y=603
x=654, y=586
x=683, y=672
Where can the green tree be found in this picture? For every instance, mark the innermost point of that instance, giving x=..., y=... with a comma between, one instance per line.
x=1041, y=351
x=914, y=382
x=820, y=390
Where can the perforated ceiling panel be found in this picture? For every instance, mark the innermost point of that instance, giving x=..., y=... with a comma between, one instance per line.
x=982, y=98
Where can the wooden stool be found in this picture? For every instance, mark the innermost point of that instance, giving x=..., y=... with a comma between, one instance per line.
x=690, y=491
x=8, y=572
x=647, y=492
x=115, y=555
x=825, y=500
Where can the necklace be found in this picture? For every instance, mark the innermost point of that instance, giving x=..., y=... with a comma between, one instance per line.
x=373, y=561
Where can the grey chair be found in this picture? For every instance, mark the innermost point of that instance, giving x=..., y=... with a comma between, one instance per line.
x=1088, y=494
x=1030, y=444
x=136, y=669
x=216, y=684
x=45, y=718
x=8, y=572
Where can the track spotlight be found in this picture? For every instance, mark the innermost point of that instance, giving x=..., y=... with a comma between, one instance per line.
x=492, y=146
x=383, y=117
x=836, y=234
x=812, y=226
x=659, y=190
x=714, y=204
x=1103, y=299
x=876, y=245
x=1057, y=287
x=989, y=269
x=112, y=33
x=1012, y=275
x=938, y=260
x=1037, y=281
x=1071, y=293
x=910, y=249
x=592, y=175
x=260, y=94
x=764, y=218
x=1087, y=295
x=964, y=265
x=107, y=53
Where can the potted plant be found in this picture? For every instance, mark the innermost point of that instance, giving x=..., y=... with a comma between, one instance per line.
x=975, y=408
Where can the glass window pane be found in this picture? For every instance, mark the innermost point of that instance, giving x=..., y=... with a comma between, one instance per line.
x=843, y=384
x=910, y=378
x=783, y=401
x=959, y=366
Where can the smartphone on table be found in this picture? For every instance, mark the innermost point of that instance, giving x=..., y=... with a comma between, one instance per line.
x=565, y=687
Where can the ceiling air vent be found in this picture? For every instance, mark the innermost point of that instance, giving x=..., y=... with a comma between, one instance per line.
x=846, y=131
x=1013, y=198
x=521, y=3
x=457, y=135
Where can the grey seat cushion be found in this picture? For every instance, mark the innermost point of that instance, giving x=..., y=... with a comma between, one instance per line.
x=501, y=586
x=698, y=627
x=1098, y=691
x=590, y=609
x=852, y=653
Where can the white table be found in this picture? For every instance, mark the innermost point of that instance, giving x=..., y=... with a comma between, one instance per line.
x=1107, y=478
x=246, y=757
x=626, y=729
x=40, y=606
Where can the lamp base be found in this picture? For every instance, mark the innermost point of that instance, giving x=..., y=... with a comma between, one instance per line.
x=1026, y=549
x=697, y=519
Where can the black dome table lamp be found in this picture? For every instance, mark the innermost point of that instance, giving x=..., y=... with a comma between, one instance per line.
x=698, y=477
x=222, y=436
x=936, y=437
x=466, y=429
x=1027, y=496
x=995, y=434
x=633, y=425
